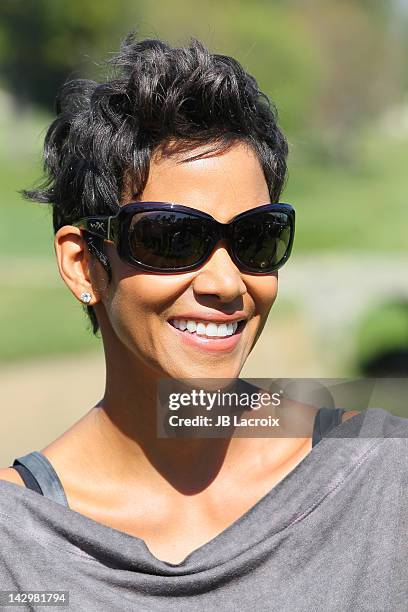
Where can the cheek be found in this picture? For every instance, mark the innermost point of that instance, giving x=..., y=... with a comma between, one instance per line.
x=264, y=291
x=129, y=299
x=132, y=305
x=124, y=314
x=135, y=307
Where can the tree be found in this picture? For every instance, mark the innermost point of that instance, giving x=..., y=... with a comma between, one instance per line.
x=44, y=41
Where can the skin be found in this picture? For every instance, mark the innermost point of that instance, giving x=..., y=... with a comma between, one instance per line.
x=149, y=482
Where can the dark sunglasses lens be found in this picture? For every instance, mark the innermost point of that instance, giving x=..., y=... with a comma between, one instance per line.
x=261, y=240
x=168, y=240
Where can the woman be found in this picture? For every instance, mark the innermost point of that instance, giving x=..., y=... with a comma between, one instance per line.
x=110, y=512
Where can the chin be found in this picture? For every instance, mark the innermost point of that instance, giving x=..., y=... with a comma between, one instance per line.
x=203, y=370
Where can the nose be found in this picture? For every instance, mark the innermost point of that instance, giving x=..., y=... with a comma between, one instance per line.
x=219, y=276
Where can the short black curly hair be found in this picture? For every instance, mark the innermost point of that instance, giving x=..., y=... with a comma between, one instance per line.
x=159, y=96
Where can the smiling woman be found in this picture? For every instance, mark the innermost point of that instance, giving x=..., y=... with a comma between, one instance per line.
x=199, y=287
x=165, y=185
x=225, y=185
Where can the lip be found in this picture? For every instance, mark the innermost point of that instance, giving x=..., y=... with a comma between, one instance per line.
x=212, y=345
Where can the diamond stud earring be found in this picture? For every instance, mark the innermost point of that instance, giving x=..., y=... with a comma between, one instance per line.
x=86, y=297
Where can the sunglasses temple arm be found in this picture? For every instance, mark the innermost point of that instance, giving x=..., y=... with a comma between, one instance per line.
x=95, y=239
x=98, y=226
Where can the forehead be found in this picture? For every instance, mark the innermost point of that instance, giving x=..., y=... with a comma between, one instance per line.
x=221, y=184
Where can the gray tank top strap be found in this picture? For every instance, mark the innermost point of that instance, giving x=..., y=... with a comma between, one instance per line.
x=45, y=475
x=326, y=419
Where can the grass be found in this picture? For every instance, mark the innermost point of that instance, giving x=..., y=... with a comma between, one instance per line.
x=384, y=328
x=39, y=321
x=359, y=207
x=47, y=320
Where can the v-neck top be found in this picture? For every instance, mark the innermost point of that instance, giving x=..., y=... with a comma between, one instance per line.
x=332, y=535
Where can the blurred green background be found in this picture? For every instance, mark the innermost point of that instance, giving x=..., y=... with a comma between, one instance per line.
x=338, y=74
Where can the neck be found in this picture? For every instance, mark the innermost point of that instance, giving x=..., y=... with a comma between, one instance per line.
x=121, y=434
x=125, y=424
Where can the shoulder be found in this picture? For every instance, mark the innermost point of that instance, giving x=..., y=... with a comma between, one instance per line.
x=11, y=475
x=378, y=422
x=385, y=433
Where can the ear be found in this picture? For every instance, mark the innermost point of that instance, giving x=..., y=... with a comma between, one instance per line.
x=74, y=263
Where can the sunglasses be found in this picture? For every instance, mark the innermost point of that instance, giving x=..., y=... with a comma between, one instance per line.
x=164, y=237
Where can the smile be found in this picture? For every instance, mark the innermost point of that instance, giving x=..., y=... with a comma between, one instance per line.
x=210, y=329
x=209, y=336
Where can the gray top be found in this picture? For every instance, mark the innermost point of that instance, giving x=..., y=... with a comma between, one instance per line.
x=330, y=536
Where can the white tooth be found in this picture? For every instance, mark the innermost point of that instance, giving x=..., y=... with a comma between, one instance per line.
x=211, y=329
x=222, y=329
x=200, y=328
x=191, y=326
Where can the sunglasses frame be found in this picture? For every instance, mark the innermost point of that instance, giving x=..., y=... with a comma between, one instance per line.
x=116, y=229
